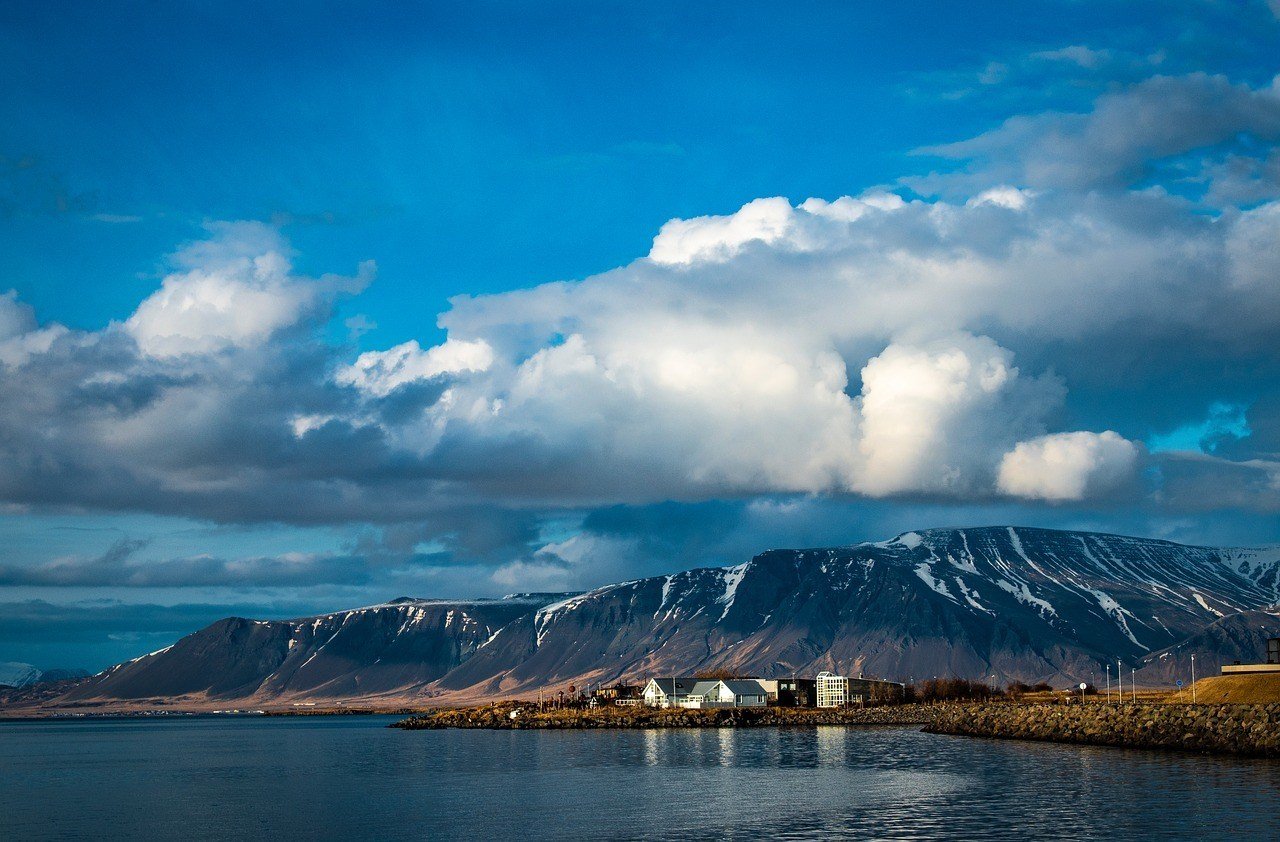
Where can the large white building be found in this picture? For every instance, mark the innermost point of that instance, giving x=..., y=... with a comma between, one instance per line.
x=832, y=690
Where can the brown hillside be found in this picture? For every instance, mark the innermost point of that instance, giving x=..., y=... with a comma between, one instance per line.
x=1237, y=689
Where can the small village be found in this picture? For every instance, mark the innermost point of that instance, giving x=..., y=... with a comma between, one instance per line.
x=714, y=691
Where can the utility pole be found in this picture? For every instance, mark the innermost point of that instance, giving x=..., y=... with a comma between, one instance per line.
x=1193, y=679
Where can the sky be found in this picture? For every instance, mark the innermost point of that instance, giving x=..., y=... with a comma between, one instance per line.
x=314, y=306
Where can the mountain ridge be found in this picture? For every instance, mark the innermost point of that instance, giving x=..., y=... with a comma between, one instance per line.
x=1001, y=603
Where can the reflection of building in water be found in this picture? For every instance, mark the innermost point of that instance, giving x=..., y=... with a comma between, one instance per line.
x=831, y=746
x=651, y=746
x=727, y=745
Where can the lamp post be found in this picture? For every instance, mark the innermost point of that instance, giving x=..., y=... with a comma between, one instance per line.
x=1133, y=687
x=1108, y=683
x=1193, y=679
x=1120, y=682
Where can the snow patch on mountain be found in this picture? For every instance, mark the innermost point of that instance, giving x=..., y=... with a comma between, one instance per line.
x=1205, y=605
x=926, y=576
x=732, y=579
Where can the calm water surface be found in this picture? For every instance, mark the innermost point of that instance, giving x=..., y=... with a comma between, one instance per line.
x=326, y=777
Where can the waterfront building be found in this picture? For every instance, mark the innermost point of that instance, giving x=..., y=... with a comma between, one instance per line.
x=791, y=692
x=668, y=692
x=704, y=693
x=864, y=691
x=618, y=691
x=740, y=693
x=832, y=690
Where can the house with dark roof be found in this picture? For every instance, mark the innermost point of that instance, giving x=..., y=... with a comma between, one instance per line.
x=704, y=693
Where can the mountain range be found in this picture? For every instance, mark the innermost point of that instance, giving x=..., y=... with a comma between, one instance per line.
x=991, y=603
x=18, y=675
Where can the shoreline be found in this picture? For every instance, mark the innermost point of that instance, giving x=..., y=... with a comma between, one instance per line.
x=498, y=716
x=1249, y=730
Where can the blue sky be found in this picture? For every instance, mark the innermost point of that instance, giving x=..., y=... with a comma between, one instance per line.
x=1048, y=299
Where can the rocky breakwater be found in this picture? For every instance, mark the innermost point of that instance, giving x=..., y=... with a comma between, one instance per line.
x=1252, y=730
x=525, y=716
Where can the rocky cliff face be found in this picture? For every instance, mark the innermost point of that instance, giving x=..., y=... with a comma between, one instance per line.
x=1013, y=603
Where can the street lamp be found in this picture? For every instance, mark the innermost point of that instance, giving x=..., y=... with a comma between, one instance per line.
x=1193, y=679
x=1108, y=683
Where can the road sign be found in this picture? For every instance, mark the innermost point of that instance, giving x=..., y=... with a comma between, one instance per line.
x=1179, y=682
x=1084, y=686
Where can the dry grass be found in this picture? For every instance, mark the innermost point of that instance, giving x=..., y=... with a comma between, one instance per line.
x=1235, y=689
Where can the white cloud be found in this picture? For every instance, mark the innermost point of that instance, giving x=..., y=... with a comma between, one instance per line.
x=770, y=222
x=1010, y=198
x=20, y=337
x=1068, y=466
x=237, y=290
x=936, y=417
x=682, y=241
x=378, y=373
x=863, y=345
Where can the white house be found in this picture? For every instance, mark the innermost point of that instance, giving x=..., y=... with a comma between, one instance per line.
x=704, y=693
x=740, y=693
x=668, y=692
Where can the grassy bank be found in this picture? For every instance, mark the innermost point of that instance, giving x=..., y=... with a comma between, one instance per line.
x=1252, y=730
x=527, y=716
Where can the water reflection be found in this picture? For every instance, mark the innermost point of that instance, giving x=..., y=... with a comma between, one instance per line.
x=348, y=776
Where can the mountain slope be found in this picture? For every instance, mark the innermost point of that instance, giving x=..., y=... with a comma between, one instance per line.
x=399, y=647
x=1026, y=604
x=1235, y=638
x=1013, y=603
x=13, y=674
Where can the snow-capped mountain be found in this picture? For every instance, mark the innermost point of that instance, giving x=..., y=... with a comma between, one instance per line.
x=1013, y=603
x=377, y=650
x=13, y=674
x=19, y=675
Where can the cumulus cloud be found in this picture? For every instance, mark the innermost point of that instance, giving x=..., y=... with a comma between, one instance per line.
x=1068, y=466
x=874, y=345
x=234, y=290
x=379, y=373
x=770, y=222
x=20, y=337
x=936, y=417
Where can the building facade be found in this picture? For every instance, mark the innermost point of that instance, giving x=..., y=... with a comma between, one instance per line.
x=864, y=691
x=832, y=691
x=790, y=692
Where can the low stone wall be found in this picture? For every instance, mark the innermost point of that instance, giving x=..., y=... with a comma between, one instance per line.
x=528, y=716
x=1252, y=730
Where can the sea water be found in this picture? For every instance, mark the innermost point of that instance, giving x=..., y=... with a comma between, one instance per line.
x=351, y=777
